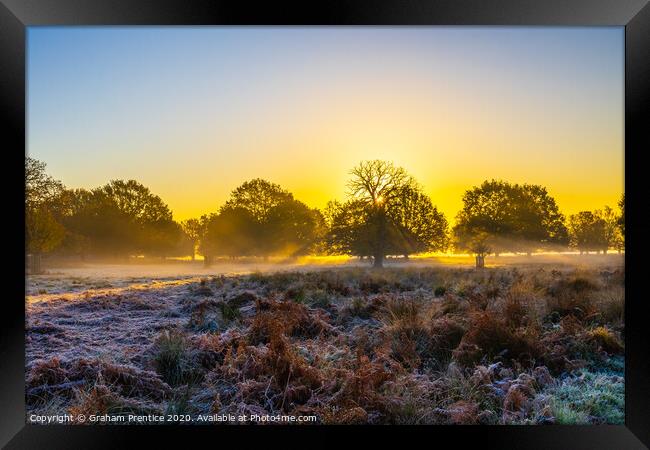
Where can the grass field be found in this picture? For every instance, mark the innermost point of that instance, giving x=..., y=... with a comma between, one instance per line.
x=430, y=341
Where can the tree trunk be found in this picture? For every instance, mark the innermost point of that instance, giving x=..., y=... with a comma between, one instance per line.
x=604, y=251
x=35, y=264
x=207, y=261
x=406, y=257
x=480, y=261
x=379, y=261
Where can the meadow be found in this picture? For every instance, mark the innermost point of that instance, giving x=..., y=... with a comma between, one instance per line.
x=523, y=341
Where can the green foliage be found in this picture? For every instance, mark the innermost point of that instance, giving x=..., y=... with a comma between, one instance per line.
x=40, y=188
x=43, y=232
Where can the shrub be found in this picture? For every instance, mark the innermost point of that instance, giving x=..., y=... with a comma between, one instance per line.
x=446, y=335
x=101, y=400
x=495, y=339
x=288, y=318
x=611, y=304
x=172, y=358
x=229, y=312
x=606, y=339
x=319, y=298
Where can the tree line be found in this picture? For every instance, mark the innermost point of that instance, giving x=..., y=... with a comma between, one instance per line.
x=385, y=212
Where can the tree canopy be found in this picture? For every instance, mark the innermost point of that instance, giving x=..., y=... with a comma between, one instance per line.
x=386, y=213
x=120, y=218
x=597, y=230
x=43, y=233
x=509, y=217
x=262, y=219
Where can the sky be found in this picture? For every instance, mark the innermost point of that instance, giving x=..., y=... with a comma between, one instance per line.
x=192, y=112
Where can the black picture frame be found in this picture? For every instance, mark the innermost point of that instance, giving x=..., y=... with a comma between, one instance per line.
x=634, y=15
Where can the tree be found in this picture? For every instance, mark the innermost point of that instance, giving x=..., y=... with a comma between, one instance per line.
x=193, y=228
x=385, y=213
x=43, y=233
x=63, y=208
x=478, y=242
x=587, y=231
x=509, y=217
x=293, y=229
x=40, y=188
x=258, y=197
x=621, y=219
x=136, y=201
x=377, y=185
x=420, y=226
x=122, y=218
x=233, y=232
x=269, y=221
x=107, y=229
x=348, y=228
x=612, y=237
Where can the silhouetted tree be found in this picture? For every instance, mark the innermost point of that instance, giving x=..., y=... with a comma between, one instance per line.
x=64, y=207
x=262, y=219
x=40, y=188
x=587, y=231
x=107, y=229
x=233, y=232
x=420, y=226
x=478, y=242
x=377, y=184
x=621, y=219
x=43, y=233
x=293, y=229
x=386, y=213
x=121, y=218
x=612, y=237
x=349, y=228
x=510, y=217
x=258, y=197
x=193, y=229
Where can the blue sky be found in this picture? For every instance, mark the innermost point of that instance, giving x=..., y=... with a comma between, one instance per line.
x=194, y=111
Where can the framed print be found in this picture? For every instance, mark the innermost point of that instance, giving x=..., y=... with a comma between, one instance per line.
x=383, y=219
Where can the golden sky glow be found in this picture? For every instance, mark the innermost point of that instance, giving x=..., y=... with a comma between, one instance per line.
x=192, y=113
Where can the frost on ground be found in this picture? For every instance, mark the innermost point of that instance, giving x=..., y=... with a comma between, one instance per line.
x=402, y=345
